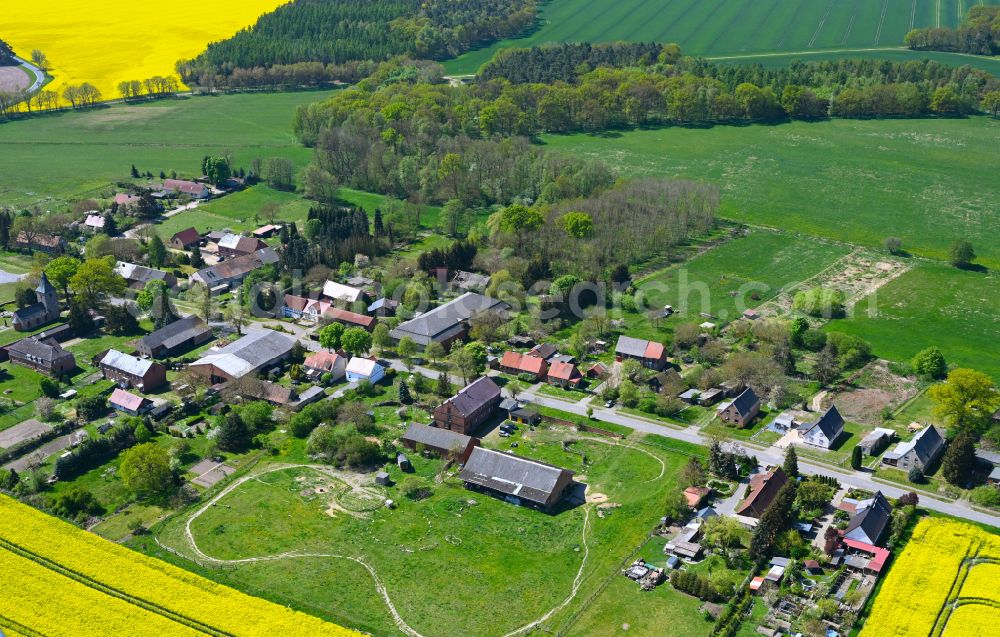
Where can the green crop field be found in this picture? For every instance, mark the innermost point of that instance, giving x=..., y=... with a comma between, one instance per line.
x=723, y=280
x=719, y=27
x=483, y=551
x=933, y=304
x=928, y=181
x=71, y=155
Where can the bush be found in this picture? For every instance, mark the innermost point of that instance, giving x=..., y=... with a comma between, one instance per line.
x=986, y=495
x=415, y=488
x=821, y=302
x=915, y=476
x=49, y=387
x=814, y=340
x=930, y=363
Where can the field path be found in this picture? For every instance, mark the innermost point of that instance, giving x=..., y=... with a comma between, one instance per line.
x=34, y=70
x=354, y=480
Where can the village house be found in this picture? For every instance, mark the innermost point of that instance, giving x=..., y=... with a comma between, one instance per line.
x=469, y=282
x=761, y=491
x=470, y=407
x=190, y=188
x=44, y=355
x=180, y=335
x=516, y=479
x=257, y=351
x=126, y=202
x=383, y=307
x=597, y=370
x=234, y=245
x=137, y=276
x=447, y=323
x=343, y=293
x=650, y=354
x=314, y=310
x=440, y=442
x=825, y=432
x=364, y=369
x=668, y=382
x=185, y=239
x=870, y=520
x=266, y=232
x=564, y=375
x=94, y=223
x=129, y=372
x=544, y=351
x=741, y=410
x=710, y=396
x=324, y=362
x=696, y=495
x=920, y=452
x=516, y=363
x=231, y=273
x=45, y=310
x=129, y=403
x=42, y=241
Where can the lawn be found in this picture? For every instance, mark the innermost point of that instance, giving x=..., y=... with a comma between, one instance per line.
x=484, y=554
x=933, y=304
x=928, y=182
x=717, y=27
x=71, y=155
x=20, y=382
x=244, y=210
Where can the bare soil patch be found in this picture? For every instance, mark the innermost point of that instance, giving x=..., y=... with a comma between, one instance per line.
x=881, y=389
x=13, y=78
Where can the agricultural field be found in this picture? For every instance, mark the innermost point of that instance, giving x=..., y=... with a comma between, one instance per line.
x=482, y=550
x=104, y=588
x=928, y=181
x=717, y=27
x=125, y=44
x=943, y=583
x=932, y=304
x=57, y=157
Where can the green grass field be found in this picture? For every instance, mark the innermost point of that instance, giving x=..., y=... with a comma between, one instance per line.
x=71, y=155
x=928, y=181
x=243, y=210
x=933, y=305
x=716, y=27
x=484, y=554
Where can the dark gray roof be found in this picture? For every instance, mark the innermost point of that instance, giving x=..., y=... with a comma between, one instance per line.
x=30, y=312
x=513, y=475
x=436, y=437
x=831, y=423
x=175, y=333
x=631, y=346
x=745, y=402
x=475, y=395
x=45, y=351
x=226, y=271
x=44, y=287
x=869, y=524
x=139, y=273
x=927, y=444
x=445, y=321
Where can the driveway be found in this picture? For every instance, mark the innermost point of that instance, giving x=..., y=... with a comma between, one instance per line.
x=38, y=455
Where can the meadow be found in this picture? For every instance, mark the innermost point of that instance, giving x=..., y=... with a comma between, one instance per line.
x=718, y=27
x=60, y=580
x=64, y=156
x=484, y=552
x=928, y=181
x=107, y=41
x=932, y=304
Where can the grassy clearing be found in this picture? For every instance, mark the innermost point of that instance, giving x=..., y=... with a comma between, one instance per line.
x=72, y=155
x=502, y=549
x=928, y=182
x=716, y=27
x=245, y=210
x=21, y=382
x=933, y=304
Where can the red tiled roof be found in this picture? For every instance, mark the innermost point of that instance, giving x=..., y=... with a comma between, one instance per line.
x=344, y=316
x=187, y=236
x=323, y=360
x=695, y=495
x=523, y=363
x=564, y=371
x=187, y=187
x=654, y=350
x=126, y=400
x=879, y=554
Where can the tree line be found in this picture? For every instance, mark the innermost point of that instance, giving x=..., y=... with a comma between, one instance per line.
x=357, y=30
x=567, y=61
x=979, y=34
x=6, y=54
x=156, y=86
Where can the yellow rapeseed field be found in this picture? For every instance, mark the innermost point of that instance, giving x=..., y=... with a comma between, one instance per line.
x=107, y=41
x=159, y=585
x=925, y=577
x=973, y=620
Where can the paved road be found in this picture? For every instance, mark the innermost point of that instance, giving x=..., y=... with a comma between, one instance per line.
x=34, y=70
x=858, y=479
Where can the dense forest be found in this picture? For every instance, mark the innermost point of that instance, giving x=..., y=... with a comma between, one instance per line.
x=336, y=33
x=568, y=61
x=979, y=34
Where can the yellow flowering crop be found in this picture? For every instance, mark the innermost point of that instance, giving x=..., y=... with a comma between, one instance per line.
x=973, y=620
x=922, y=577
x=983, y=581
x=107, y=41
x=133, y=574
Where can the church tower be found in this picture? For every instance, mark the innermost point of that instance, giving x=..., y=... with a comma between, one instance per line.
x=46, y=294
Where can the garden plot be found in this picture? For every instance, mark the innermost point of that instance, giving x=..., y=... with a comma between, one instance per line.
x=882, y=390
